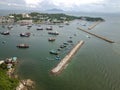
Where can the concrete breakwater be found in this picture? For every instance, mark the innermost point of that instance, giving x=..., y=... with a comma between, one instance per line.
x=95, y=24
x=66, y=59
x=98, y=36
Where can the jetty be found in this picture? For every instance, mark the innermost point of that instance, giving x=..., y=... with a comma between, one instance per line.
x=93, y=25
x=63, y=63
x=98, y=36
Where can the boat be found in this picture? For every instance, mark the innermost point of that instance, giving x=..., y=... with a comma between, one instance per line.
x=88, y=36
x=5, y=33
x=62, y=46
x=53, y=33
x=54, y=52
x=22, y=46
x=49, y=28
x=57, y=58
x=60, y=26
x=65, y=43
x=51, y=39
x=70, y=41
x=10, y=26
x=39, y=28
x=27, y=34
x=29, y=26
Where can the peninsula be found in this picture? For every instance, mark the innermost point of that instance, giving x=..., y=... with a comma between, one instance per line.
x=44, y=18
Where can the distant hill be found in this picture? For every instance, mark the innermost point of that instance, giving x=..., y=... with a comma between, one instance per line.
x=55, y=10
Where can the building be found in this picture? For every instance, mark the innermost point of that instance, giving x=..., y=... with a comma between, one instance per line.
x=25, y=22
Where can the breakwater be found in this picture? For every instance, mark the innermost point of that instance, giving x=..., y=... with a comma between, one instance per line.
x=93, y=25
x=66, y=59
x=98, y=36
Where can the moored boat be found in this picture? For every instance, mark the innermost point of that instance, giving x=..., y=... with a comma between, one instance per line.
x=29, y=26
x=70, y=41
x=54, y=52
x=27, y=34
x=53, y=33
x=39, y=28
x=5, y=33
x=51, y=39
x=23, y=46
x=10, y=26
x=49, y=28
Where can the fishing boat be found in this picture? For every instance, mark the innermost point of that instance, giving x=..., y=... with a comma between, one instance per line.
x=49, y=28
x=70, y=41
x=5, y=33
x=51, y=39
x=60, y=26
x=54, y=52
x=39, y=28
x=27, y=34
x=65, y=43
x=23, y=46
x=88, y=36
x=62, y=46
x=29, y=26
x=57, y=58
x=53, y=33
x=10, y=26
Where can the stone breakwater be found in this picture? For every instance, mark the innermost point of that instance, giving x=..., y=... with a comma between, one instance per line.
x=95, y=24
x=98, y=36
x=59, y=68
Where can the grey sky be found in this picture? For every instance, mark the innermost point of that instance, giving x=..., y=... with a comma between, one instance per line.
x=66, y=5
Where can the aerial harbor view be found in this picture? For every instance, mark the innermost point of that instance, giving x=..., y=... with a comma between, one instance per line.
x=46, y=46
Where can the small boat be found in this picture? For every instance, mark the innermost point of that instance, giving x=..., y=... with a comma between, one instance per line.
x=29, y=26
x=60, y=26
x=5, y=33
x=70, y=41
x=39, y=28
x=10, y=26
x=57, y=58
x=27, y=34
x=54, y=52
x=62, y=46
x=49, y=28
x=51, y=39
x=59, y=49
x=53, y=33
x=88, y=36
x=22, y=46
x=65, y=43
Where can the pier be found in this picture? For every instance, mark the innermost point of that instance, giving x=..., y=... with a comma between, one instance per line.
x=59, y=68
x=95, y=24
x=98, y=36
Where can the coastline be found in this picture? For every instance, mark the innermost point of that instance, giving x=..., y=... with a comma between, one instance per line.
x=9, y=67
x=27, y=84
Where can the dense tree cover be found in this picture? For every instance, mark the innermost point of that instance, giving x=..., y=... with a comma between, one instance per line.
x=51, y=17
x=92, y=18
x=7, y=83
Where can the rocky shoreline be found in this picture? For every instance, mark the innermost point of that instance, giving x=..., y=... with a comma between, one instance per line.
x=9, y=64
x=27, y=84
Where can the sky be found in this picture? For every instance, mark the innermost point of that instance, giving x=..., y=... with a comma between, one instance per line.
x=112, y=6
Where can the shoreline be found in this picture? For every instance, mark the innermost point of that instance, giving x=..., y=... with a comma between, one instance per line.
x=9, y=65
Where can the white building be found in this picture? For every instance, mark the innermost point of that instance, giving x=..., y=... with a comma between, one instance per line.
x=25, y=15
x=25, y=22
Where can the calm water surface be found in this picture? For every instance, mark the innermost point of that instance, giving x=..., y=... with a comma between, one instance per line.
x=95, y=66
